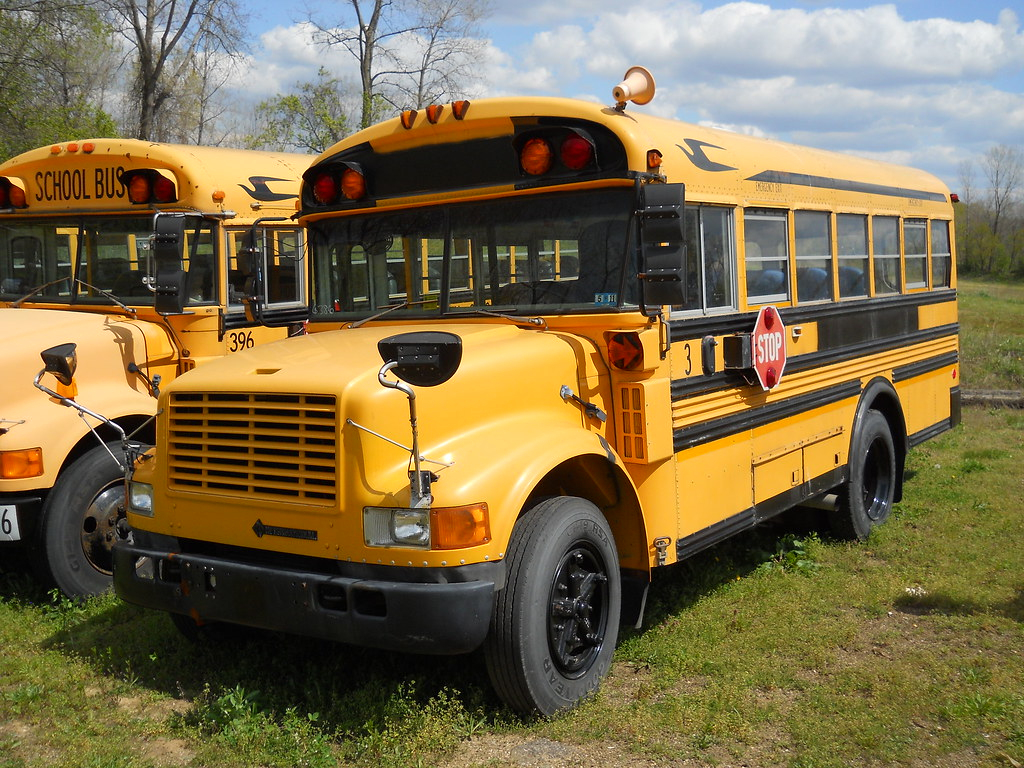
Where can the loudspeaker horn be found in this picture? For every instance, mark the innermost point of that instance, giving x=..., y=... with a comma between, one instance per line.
x=637, y=86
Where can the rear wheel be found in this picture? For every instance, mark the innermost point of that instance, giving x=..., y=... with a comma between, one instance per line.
x=80, y=524
x=554, y=625
x=865, y=502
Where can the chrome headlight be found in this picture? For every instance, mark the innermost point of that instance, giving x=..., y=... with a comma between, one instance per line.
x=140, y=498
x=396, y=527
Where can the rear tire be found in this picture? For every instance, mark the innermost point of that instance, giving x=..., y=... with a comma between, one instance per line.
x=865, y=502
x=554, y=625
x=79, y=524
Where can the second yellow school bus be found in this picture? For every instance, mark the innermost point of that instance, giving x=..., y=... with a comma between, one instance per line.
x=136, y=252
x=554, y=346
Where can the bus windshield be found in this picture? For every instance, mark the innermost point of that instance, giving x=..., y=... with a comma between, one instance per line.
x=544, y=254
x=111, y=253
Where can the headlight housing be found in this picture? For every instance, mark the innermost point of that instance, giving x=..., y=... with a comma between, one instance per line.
x=140, y=498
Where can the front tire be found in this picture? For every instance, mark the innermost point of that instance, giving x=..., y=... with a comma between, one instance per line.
x=554, y=625
x=865, y=502
x=79, y=524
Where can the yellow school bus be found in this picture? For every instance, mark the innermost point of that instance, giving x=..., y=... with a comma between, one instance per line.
x=554, y=346
x=139, y=254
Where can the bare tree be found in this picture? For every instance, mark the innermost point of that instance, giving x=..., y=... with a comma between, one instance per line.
x=1004, y=170
x=164, y=37
x=409, y=52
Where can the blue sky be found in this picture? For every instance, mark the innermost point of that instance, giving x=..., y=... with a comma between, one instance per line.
x=927, y=83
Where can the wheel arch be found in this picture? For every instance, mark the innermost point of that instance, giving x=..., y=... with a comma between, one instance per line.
x=880, y=395
x=128, y=422
x=603, y=481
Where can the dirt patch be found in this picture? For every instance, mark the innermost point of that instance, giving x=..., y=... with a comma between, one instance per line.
x=167, y=753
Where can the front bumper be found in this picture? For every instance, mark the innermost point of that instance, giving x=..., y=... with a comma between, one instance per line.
x=440, y=617
x=19, y=517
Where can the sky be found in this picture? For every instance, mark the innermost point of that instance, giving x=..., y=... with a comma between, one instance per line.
x=926, y=83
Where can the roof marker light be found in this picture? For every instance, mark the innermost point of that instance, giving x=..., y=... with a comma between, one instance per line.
x=408, y=118
x=434, y=112
x=460, y=108
x=536, y=157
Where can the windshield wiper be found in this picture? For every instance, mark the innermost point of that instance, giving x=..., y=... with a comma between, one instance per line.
x=106, y=294
x=109, y=295
x=39, y=288
x=387, y=311
x=538, y=322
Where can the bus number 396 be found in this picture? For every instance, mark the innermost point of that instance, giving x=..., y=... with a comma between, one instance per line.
x=239, y=340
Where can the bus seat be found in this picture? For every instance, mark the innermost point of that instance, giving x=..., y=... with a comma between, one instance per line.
x=107, y=272
x=13, y=285
x=812, y=284
x=601, y=248
x=766, y=282
x=851, y=282
x=130, y=284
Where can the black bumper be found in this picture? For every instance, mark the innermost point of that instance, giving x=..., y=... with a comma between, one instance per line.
x=27, y=511
x=437, y=618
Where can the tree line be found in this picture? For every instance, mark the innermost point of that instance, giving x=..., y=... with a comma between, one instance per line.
x=158, y=70
x=990, y=217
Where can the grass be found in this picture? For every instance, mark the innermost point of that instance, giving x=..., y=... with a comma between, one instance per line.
x=778, y=648
x=992, y=335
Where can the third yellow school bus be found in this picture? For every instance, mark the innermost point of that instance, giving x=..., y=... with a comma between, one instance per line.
x=80, y=263
x=554, y=346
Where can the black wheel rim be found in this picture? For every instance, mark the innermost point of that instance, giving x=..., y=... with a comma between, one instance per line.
x=878, y=481
x=578, y=615
x=99, y=527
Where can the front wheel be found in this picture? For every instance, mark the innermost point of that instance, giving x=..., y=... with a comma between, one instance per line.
x=554, y=625
x=866, y=500
x=80, y=523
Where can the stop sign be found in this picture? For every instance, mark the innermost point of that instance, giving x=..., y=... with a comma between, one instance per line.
x=768, y=347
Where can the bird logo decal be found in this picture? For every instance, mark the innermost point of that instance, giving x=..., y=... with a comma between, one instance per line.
x=261, y=191
x=694, y=150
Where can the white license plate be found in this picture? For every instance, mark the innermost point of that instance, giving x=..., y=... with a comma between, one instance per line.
x=9, y=523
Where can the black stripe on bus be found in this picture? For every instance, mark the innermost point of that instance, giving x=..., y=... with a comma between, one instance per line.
x=912, y=371
x=751, y=418
x=841, y=312
x=929, y=432
x=683, y=389
x=724, y=529
x=845, y=185
x=843, y=334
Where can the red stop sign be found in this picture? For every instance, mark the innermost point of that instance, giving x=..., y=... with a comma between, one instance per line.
x=768, y=342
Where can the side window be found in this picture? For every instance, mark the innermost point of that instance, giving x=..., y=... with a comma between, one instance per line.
x=813, y=255
x=199, y=262
x=710, y=273
x=886, y=254
x=915, y=252
x=283, y=264
x=852, y=241
x=942, y=261
x=766, y=249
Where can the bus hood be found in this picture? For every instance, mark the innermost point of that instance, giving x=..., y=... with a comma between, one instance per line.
x=324, y=439
x=106, y=344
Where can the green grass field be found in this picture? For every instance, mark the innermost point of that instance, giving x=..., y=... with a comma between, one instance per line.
x=779, y=648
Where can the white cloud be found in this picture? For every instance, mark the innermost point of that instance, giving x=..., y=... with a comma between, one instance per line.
x=865, y=80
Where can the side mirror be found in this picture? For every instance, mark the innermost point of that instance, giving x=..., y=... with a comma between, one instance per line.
x=170, y=280
x=168, y=237
x=663, y=247
x=61, y=361
x=422, y=358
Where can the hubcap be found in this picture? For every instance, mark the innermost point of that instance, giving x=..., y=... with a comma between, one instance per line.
x=578, y=617
x=99, y=527
x=877, y=483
